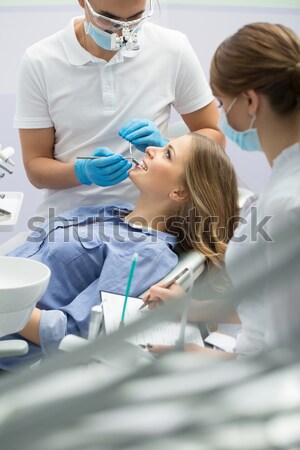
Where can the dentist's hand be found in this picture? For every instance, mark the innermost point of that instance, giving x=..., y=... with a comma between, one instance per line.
x=108, y=170
x=142, y=134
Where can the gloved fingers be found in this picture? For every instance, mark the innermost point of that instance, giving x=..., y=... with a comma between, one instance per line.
x=121, y=171
x=106, y=161
x=139, y=134
x=120, y=178
x=133, y=125
x=113, y=170
x=144, y=142
x=112, y=180
x=109, y=171
x=103, y=151
x=127, y=126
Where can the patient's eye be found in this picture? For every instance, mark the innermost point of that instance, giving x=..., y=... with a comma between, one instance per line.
x=167, y=153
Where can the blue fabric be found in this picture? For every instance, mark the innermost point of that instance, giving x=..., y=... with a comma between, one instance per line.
x=88, y=250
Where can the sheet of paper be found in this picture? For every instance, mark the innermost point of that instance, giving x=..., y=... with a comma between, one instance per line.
x=165, y=333
x=222, y=341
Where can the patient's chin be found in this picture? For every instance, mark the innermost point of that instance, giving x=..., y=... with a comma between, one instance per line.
x=131, y=175
x=133, y=172
x=134, y=177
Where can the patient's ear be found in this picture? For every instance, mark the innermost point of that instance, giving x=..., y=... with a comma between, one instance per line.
x=179, y=195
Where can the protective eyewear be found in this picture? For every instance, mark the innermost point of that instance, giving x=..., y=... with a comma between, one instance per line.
x=108, y=24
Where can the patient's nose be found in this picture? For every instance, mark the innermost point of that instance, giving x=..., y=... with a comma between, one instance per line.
x=151, y=152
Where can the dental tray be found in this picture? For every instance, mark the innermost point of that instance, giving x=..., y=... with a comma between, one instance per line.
x=10, y=204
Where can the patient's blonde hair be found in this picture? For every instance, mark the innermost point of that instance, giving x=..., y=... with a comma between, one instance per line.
x=207, y=220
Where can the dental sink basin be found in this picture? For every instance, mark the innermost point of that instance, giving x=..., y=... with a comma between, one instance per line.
x=22, y=283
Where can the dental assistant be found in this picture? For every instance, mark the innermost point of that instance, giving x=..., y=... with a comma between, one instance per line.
x=82, y=86
x=261, y=112
x=255, y=74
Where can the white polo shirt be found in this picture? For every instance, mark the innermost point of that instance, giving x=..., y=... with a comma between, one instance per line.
x=87, y=100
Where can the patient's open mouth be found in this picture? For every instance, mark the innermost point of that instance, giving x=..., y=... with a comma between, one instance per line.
x=143, y=165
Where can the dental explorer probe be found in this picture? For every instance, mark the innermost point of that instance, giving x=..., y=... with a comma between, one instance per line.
x=135, y=161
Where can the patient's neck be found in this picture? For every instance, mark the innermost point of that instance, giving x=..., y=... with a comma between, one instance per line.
x=148, y=214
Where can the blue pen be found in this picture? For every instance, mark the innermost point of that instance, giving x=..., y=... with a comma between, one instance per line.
x=133, y=264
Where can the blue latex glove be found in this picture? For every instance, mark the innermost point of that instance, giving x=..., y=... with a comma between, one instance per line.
x=142, y=134
x=109, y=170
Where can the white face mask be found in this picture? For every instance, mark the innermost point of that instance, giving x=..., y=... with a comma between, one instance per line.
x=247, y=140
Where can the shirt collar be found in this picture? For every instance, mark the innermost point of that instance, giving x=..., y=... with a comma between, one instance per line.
x=78, y=56
x=117, y=211
x=285, y=156
x=163, y=236
x=86, y=214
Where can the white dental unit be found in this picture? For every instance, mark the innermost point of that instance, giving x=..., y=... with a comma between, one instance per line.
x=22, y=281
x=10, y=202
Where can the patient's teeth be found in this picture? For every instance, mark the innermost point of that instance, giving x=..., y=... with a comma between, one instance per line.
x=143, y=165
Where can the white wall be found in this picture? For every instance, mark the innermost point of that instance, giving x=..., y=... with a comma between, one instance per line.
x=205, y=26
x=19, y=28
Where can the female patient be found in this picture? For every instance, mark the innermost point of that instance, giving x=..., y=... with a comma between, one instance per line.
x=188, y=200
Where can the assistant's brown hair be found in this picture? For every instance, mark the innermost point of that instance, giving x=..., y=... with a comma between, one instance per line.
x=260, y=56
x=206, y=221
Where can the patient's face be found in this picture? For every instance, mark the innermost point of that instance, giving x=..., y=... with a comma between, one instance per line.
x=164, y=168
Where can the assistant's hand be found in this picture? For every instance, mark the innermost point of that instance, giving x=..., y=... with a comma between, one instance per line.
x=158, y=293
x=142, y=134
x=108, y=170
x=191, y=348
x=160, y=349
